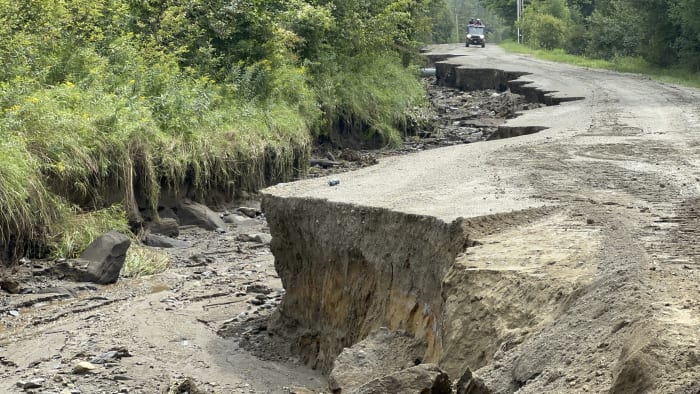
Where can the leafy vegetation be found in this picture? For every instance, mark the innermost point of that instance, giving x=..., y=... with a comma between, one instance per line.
x=661, y=33
x=141, y=261
x=113, y=101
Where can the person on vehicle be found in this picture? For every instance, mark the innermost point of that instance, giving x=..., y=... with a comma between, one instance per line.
x=472, y=21
x=478, y=22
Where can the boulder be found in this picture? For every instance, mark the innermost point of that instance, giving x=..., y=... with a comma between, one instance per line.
x=10, y=285
x=382, y=353
x=261, y=238
x=192, y=213
x=470, y=384
x=164, y=226
x=249, y=211
x=239, y=220
x=105, y=257
x=161, y=241
x=421, y=379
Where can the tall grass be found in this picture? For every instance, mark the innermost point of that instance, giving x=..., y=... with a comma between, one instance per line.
x=370, y=94
x=625, y=64
x=141, y=261
x=95, y=116
x=97, y=129
x=76, y=229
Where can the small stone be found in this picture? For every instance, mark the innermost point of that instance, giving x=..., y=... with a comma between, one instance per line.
x=299, y=390
x=590, y=221
x=250, y=212
x=258, y=288
x=256, y=301
x=83, y=367
x=261, y=238
x=31, y=384
x=13, y=313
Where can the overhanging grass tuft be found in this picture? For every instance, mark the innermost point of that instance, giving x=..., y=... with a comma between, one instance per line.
x=142, y=261
x=370, y=94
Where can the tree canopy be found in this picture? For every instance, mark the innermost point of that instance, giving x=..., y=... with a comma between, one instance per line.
x=663, y=32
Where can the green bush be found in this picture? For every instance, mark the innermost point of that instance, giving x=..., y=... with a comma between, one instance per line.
x=369, y=94
x=103, y=100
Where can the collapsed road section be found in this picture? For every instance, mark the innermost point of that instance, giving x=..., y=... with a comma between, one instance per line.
x=371, y=273
x=552, y=262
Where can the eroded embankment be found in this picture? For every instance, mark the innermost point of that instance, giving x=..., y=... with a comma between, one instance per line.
x=470, y=79
x=348, y=270
x=370, y=291
x=465, y=289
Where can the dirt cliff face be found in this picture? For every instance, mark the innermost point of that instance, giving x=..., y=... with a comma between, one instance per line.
x=349, y=270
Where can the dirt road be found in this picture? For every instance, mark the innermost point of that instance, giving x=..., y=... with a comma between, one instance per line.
x=585, y=274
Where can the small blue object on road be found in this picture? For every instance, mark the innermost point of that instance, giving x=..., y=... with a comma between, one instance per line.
x=333, y=182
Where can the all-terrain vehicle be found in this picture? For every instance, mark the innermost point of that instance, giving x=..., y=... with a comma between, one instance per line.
x=475, y=35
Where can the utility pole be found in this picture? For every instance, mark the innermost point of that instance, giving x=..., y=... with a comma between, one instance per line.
x=519, y=12
x=457, y=24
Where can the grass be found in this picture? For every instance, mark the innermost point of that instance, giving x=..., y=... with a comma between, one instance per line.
x=635, y=65
x=371, y=94
x=85, y=127
x=76, y=230
x=142, y=261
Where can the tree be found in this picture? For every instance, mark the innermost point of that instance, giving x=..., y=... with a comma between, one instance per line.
x=546, y=24
x=685, y=15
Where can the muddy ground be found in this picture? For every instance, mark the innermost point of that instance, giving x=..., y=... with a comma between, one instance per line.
x=203, y=321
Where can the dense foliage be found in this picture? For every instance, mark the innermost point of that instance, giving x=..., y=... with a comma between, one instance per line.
x=665, y=33
x=108, y=102
x=461, y=11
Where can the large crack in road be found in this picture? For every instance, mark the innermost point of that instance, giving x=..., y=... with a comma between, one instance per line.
x=558, y=261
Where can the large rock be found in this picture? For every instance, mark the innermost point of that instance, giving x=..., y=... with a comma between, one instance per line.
x=240, y=220
x=164, y=226
x=161, y=241
x=382, y=353
x=470, y=384
x=105, y=257
x=421, y=379
x=195, y=214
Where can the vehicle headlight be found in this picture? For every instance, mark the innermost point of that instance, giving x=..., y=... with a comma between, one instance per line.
x=469, y=36
x=481, y=36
